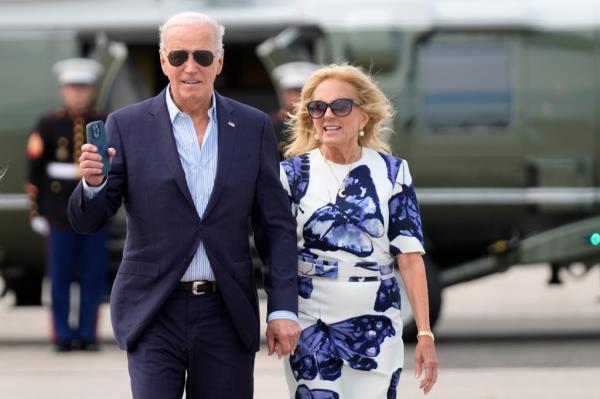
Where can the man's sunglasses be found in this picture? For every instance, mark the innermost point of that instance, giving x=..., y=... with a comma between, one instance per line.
x=340, y=107
x=179, y=57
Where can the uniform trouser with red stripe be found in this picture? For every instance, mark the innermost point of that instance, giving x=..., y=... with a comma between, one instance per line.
x=81, y=258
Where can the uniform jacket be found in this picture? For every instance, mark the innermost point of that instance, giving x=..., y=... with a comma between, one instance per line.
x=53, y=152
x=164, y=229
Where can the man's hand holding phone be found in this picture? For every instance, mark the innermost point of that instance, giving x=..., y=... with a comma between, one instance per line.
x=94, y=162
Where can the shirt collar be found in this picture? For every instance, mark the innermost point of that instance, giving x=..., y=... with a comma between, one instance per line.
x=173, y=110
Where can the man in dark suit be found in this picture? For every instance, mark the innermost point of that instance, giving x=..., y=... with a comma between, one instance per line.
x=194, y=170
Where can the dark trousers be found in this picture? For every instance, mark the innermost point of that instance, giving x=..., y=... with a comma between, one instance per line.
x=191, y=344
x=72, y=254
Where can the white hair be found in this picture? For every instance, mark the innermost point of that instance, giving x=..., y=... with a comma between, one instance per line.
x=191, y=18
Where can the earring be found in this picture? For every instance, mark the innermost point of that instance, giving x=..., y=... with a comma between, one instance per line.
x=316, y=137
x=361, y=133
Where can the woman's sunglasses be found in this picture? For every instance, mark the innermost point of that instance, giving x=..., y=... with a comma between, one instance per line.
x=179, y=57
x=340, y=107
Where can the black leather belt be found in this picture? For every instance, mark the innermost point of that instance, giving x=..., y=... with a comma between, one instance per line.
x=200, y=287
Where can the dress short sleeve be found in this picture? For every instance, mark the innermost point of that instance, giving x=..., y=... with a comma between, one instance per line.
x=404, y=231
x=287, y=178
x=284, y=180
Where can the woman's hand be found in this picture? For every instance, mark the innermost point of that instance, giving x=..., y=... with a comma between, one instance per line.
x=426, y=358
x=412, y=270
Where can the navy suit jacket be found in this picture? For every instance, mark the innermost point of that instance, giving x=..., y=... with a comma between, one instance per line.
x=164, y=228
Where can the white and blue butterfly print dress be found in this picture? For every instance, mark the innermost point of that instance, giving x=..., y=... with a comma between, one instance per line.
x=349, y=306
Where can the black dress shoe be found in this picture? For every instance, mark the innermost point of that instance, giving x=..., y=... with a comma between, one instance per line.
x=63, y=346
x=89, y=346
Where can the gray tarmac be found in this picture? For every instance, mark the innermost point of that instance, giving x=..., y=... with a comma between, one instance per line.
x=505, y=336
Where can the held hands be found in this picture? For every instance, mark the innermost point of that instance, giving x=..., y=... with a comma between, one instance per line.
x=426, y=358
x=90, y=164
x=282, y=336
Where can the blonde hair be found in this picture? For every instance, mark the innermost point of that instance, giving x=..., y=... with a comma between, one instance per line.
x=373, y=102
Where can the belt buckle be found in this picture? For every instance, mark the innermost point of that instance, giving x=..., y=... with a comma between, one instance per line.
x=195, y=286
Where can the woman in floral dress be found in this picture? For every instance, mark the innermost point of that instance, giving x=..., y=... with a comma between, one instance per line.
x=357, y=217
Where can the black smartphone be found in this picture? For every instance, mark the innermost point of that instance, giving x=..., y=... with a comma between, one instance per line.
x=96, y=135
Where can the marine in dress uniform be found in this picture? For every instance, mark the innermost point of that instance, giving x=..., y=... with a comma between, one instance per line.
x=53, y=151
x=289, y=79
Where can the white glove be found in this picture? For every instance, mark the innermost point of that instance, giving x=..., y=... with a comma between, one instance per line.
x=39, y=224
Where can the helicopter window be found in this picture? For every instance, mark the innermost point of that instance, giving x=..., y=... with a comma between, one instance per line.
x=465, y=84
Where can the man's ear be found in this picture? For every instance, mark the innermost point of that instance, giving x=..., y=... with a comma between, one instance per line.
x=163, y=61
x=220, y=60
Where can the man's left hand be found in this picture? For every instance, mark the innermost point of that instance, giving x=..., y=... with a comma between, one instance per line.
x=282, y=336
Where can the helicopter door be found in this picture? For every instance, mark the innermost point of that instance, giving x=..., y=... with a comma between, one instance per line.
x=464, y=141
x=466, y=132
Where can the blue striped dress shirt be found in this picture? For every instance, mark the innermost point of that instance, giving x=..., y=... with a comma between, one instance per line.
x=200, y=168
x=199, y=164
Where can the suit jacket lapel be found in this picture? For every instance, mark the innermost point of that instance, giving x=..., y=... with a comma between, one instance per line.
x=161, y=132
x=226, y=142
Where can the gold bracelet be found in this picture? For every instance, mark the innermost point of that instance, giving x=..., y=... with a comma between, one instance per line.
x=426, y=333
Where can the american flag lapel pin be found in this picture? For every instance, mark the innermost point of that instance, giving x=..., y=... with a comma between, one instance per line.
x=230, y=123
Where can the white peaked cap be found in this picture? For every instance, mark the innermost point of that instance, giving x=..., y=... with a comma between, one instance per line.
x=293, y=75
x=83, y=71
